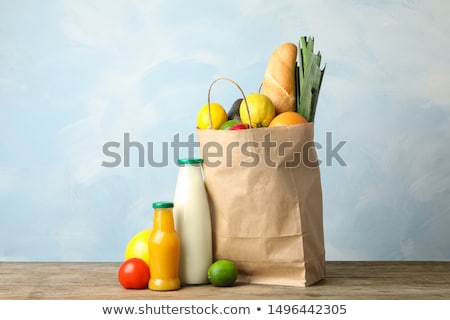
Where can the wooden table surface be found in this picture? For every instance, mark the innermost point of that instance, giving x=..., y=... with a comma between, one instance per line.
x=344, y=281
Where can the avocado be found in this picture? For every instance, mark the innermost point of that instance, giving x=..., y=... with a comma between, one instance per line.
x=233, y=113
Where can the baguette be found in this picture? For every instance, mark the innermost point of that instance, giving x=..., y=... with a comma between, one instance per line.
x=279, y=79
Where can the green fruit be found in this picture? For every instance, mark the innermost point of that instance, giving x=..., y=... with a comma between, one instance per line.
x=222, y=273
x=234, y=112
x=228, y=124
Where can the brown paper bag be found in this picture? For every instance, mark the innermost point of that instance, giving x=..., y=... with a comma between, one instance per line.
x=265, y=197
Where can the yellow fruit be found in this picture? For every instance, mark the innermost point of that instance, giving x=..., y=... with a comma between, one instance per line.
x=261, y=108
x=218, y=116
x=222, y=273
x=287, y=118
x=138, y=246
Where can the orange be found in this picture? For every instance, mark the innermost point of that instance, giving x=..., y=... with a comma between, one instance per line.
x=287, y=118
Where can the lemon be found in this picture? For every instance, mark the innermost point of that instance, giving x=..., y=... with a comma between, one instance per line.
x=218, y=116
x=137, y=247
x=222, y=273
x=261, y=108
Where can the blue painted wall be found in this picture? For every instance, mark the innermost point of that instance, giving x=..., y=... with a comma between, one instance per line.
x=75, y=75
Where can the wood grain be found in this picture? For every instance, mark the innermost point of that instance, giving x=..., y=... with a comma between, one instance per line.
x=344, y=280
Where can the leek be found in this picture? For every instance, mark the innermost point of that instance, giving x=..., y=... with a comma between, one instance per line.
x=308, y=78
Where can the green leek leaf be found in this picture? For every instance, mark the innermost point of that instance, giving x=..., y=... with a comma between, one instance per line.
x=309, y=78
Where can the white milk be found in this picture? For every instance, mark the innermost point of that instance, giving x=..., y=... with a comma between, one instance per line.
x=192, y=222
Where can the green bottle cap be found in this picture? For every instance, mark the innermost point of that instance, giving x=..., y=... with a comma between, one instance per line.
x=190, y=161
x=162, y=204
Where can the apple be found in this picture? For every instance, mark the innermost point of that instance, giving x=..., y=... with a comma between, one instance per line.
x=239, y=126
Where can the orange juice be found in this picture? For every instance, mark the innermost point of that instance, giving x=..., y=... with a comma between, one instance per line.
x=164, y=249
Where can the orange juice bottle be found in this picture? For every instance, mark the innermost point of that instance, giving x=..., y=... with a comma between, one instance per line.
x=164, y=249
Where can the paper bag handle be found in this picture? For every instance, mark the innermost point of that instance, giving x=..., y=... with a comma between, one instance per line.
x=243, y=95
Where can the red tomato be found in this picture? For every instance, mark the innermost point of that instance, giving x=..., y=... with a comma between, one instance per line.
x=134, y=273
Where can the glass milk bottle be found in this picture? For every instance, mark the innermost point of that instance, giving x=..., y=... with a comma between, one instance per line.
x=164, y=249
x=192, y=222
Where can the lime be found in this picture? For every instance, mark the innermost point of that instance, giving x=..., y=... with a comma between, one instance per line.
x=218, y=116
x=137, y=247
x=222, y=273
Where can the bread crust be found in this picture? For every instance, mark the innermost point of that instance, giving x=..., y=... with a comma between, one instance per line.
x=279, y=79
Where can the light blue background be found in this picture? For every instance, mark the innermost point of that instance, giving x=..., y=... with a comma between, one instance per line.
x=77, y=74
